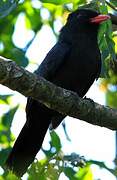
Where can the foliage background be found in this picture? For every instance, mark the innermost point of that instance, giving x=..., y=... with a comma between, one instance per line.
x=33, y=11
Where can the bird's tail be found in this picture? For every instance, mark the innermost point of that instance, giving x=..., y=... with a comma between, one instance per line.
x=30, y=138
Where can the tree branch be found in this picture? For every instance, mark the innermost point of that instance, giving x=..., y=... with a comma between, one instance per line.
x=61, y=100
x=111, y=6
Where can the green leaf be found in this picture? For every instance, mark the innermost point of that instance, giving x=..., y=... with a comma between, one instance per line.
x=42, y=171
x=3, y=155
x=104, y=52
x=1, y=178
x=107, y=47
x=6, y=6
x=85, y=173
x=55, y=145
x=52, y=172
x=114, y=2
x=103, y=7
x=106, y=43
x=36, y=171
x=92, y=5
x=111, y=99
x=33, y=20
x=6, y=121
x=11, y=176
x=57, y=2
x=70, y=173
x=104, y=70
x=7, y=118
x=101, y=32
x=55, y=141
x=5, y=98
x=18, y=55
x=48, y=153
x=109, y=39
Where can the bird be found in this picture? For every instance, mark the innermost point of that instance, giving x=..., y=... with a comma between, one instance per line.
x=73, y=63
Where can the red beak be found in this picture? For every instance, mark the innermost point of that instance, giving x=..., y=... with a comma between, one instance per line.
x=100, y=18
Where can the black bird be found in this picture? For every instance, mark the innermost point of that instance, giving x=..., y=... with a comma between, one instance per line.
x=73, y=63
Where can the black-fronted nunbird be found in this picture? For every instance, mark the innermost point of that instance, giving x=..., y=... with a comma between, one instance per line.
x=73, y=63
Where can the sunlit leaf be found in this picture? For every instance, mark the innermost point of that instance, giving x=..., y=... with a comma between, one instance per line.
x=57, y=2
x=55, y=141
x=111, y=98
x=85, y=173
x=103, y=7
x=11, y=176
x=1, y=178
x=52, y=173
x=5, y=98
x=36, y=171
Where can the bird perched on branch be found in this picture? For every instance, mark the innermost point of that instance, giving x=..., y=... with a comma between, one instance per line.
x=73, y=63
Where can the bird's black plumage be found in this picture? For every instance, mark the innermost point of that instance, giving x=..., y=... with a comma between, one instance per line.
x=73, y=63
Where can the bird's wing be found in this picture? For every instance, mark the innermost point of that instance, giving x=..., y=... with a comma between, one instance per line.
x=54, y=59
x=48, y=68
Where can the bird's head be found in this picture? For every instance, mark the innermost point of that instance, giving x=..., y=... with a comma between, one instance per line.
x=84, y=20
x=85, y=16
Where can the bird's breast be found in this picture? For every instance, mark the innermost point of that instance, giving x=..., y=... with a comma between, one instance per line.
x=79, y=69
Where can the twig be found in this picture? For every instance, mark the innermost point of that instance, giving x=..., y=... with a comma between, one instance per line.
x=111, y=6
